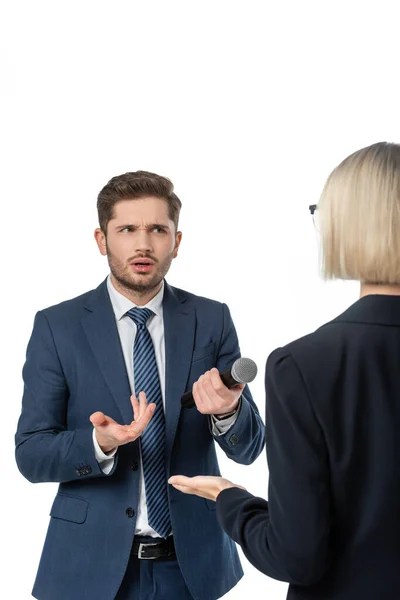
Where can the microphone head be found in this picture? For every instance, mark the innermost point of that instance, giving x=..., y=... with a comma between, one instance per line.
x=244, y=370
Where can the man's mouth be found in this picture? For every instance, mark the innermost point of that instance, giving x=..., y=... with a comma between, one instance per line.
x=142, y=265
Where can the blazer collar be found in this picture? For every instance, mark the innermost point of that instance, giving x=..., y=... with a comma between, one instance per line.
x=375, y=309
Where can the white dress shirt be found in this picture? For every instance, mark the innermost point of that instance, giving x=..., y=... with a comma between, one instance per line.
x=127, y=332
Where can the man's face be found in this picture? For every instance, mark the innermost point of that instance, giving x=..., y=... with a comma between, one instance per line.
x=140, y=244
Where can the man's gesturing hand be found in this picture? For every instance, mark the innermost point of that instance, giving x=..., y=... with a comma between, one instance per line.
x=111, y=434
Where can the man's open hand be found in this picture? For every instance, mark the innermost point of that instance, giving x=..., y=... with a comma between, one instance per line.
x=110, y=434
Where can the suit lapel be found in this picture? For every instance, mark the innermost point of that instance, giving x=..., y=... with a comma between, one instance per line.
x=101, y=331
x=179, y=329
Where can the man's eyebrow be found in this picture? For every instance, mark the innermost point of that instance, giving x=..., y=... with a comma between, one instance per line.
x=160, y=225
x=149, y=226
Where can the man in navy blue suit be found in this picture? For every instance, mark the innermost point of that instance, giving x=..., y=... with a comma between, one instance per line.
x=101, y=415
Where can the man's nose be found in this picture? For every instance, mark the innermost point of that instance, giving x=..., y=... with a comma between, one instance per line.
x=142, y=241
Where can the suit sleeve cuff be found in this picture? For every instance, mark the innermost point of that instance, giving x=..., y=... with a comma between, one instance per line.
x=222, y=426
x=228, y=504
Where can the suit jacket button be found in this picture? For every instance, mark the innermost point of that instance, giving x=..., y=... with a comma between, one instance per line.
x=233, y=439
x=134, y=466
x=88, y=470
x=129, y=512
x=78, y=472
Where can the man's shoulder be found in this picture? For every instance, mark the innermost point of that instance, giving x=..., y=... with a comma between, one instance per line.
x=195, y=299
x=72, y=305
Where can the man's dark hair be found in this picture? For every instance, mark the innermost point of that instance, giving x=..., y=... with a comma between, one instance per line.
x=131, y=186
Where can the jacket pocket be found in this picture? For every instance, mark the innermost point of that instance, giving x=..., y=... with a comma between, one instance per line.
x=69, y=508
x=203, y=352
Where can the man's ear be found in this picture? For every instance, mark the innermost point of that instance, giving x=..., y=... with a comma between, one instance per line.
x=101, y=240
x=178, y=240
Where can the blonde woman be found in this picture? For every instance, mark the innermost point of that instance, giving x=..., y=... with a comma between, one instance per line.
x=331, y=526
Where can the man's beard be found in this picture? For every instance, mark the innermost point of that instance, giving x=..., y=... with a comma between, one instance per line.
x=141, y=285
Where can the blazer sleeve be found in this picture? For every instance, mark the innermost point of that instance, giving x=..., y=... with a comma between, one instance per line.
x=287, y=537
x=46, y=450
x=245, y=439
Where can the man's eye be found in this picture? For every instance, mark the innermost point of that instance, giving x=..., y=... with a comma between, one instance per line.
x=126, y=229
x=159, y=229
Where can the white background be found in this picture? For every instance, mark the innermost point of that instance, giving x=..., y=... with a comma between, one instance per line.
x=247, y=106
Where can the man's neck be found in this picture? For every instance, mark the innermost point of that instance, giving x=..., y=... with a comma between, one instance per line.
x=366, y=289
x=135, y=297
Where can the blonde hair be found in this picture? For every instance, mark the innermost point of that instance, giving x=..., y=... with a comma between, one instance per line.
x=359, y=217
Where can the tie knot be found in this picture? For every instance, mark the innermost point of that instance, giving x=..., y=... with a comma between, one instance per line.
x=140, y=315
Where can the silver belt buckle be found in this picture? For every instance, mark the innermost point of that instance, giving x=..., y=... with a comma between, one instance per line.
x=141, y=547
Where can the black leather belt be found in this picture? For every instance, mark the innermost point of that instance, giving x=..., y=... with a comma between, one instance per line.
x=160, y=548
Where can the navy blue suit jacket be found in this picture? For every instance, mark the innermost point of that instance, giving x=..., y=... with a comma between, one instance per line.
x=74, y=367
x=331, y=527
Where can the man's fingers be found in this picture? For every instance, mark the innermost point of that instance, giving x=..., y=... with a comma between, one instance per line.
x=198, y=393
x=215, y=380
x=142, y=405
x=98, y=419
x=146, y=417
x=135, y=407
x=213, y=387
x=201, y=397
x=139, y=406
x=137, y=427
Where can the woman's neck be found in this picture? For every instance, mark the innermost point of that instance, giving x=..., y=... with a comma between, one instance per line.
x=366, y=289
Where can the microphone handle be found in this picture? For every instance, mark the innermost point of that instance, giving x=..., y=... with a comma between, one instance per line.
x=187, y=400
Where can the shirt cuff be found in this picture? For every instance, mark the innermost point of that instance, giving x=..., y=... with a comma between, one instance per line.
x=221, y=426
x=106, y=461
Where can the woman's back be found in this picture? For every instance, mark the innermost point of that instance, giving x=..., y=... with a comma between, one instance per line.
x=331, y=527
x=351, y=373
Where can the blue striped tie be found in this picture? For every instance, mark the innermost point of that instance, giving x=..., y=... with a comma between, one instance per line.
x=152, y=440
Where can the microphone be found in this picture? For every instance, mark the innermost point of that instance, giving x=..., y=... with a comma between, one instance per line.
x=243, y=370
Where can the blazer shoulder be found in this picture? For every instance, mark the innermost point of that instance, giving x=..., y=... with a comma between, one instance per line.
x=199, y=301
x=313, y=348
x=70, y=306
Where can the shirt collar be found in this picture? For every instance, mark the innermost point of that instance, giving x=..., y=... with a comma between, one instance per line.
x=121, y=304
